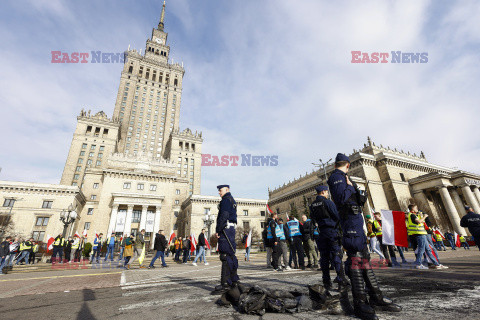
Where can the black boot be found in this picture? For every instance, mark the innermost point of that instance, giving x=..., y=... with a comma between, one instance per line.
x=361, y=308
x=377, y=300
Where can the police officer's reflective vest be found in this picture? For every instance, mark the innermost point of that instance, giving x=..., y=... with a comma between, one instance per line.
x=414, y=228
x=278, y=232
x=269, y=232
x=59, y=242
x=462, y=239
x=377, y=226
x=294, y=228
x=439, y=237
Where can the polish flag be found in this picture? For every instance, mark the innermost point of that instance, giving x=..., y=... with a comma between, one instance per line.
x=394, y=229
x=193, y=242
x=248, y=243
x=85, y=233
x=50, y=243
x=438, y=232
x=96, y=234
x=76, y=234
x=172, y=236
x=268, y=209
x=207, y=244
x=457, y=240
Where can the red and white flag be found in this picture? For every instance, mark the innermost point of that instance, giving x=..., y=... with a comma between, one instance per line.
x=438, y=232
x=193, y=242
x=96, y=234
x=268, y=209
x=50, y=242
x=394, y=229
x=76, y=234
x=85, y=233
x=172, y=236
x=248, y=243
x=458, y=243
x=207, y=244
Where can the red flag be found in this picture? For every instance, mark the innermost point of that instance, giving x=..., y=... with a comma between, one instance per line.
x=85, y=233
x=207, y=244
x=438, y=232
x=76, y=234
x=269, y=210
x=172, y=236
x=457, y=240
x=193, y=242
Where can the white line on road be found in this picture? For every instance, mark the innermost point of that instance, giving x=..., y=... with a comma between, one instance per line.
x=163, y=302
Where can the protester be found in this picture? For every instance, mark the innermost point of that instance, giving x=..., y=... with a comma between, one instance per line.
x=283, y=245
x=267, y=244
x=110, y=246
x=296, y=246
x=308, y=243
x=247, y=248
x=128, y=252
x=439, y=243
x=14, y=248
x=68, y=249
x=160, y=245
x=464, y=243
x=33, y=252
x=4, y=253
x=97, y=248
x=450, y=239
x=75, y=246
x=58, y=245
x=122, y=248
x=138, y=248
x=387, y=250
x=186, y=249
x=25, y=248
x=178, y=248
x=201, y=249
x=374, y=244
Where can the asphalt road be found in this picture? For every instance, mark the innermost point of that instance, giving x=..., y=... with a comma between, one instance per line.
x=182, y=291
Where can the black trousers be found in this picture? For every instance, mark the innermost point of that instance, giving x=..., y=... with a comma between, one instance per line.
x=297, y=251
x=276, y=252
x=387, y=250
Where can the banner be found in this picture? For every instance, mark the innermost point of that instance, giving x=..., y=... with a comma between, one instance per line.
x=120, y=223
x=150, y=222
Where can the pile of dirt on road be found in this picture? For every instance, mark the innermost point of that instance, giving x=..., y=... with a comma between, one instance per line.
x=256, y=300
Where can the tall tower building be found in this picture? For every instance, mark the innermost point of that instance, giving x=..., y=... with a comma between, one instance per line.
x=149, y=96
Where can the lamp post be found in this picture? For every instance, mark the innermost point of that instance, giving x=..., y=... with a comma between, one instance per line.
x=209, y=219
x=323, y=165
x=67, y=217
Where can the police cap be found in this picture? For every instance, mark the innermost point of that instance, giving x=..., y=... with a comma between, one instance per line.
x=341, y=157
x=321, y=188
x=223, y=186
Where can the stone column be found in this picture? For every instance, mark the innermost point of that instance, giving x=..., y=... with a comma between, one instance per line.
x=458, y=202
x=128, y=220
x=477, y=193
x=113, y=220
x=143, y=218
x=470, y=198
x=451, y=210
x=156, y=225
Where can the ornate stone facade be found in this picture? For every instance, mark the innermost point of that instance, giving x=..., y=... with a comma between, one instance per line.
x=395, y=179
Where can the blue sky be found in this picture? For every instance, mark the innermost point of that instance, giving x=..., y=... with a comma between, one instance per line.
x=262, y=77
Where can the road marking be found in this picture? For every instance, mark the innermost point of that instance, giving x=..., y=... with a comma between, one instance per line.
x=123, y=281
x=173, y=274
x=152, y=303
x=54, y=277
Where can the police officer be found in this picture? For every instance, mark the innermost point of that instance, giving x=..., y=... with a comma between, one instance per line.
x=275, y=234
x=58, y=245
x=325, y=215
x=296, y=244
x=308, y=230
x=349, y=201
x=225, y=232
x=472, y=221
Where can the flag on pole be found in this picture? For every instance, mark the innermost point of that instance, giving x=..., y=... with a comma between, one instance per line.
x=457, y=240
x=248, y=243
x=207, y=244
x=172, y=236
x=50, y=242
x=193, y=242
x=96, y=234
x=85, y=233
x=438, y=232
x=142, y=256
x=394, y=229
x=76, y=234
x=268, y=209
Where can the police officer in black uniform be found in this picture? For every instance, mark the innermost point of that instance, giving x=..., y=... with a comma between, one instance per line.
x=349, y=201
x=325, y=215
x=472, y=221
x=225, y=232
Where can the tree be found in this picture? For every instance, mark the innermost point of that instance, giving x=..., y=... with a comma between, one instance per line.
x=7, y=226
x=293, y=210
x=306, y=210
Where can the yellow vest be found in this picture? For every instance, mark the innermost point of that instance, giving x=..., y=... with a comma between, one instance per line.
x=21, y=247
x=75, y=246
x=462, y=239
x=439, y=237
x=378, y=227
x=27, y=246
x=35, y=248
x=414, y=228
x=59, y=242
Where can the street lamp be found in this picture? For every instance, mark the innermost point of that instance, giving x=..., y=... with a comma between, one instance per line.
x=323, y=166
x=67, y=217
x=209, y=219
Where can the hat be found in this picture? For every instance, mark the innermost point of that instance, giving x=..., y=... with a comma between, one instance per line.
x=321, y=188
x=341, y=157
x=467, y=208
x=368, y=216
x=223, y=186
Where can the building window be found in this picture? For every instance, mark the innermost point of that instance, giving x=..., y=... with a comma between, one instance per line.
x=262, y=213
x=95, y=185
x=47, y=204
x=206, y=210
x=89, y=161
x=177, y=191
x=87, y=226
x=153, y=187
x=80, y=160
x=78, y=169
x=90, y=211
x=84, y=146
x=402, y=176
x=99, y=163
x=246, y=225
x=42, y=221
x=92, y=147
x=38, y=235
x=177, y=202
x=82, y=153
x=136, y=216
x=9, y=202
x=93, y=197
x=76, y=176
x=262, y=225
x=245, y=212
x=102, y=147
x=127, y=185
x=140, y=186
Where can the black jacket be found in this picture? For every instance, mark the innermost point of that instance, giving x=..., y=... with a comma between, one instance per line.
x=186, y=244
x=161, y=242
x=4, y=248
x=201, y=240
x=307, y=231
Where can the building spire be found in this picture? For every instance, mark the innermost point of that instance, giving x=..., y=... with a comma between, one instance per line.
x=162, y=18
